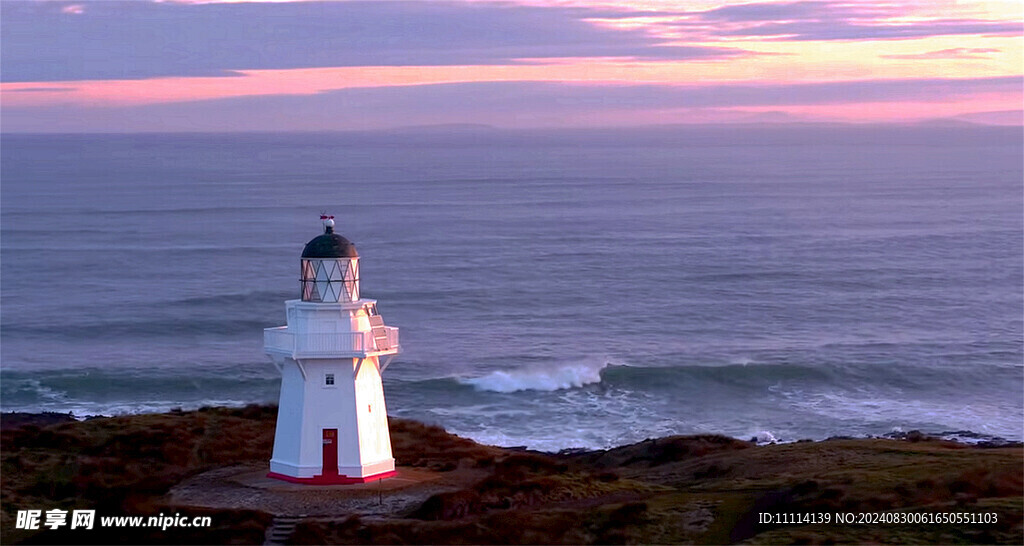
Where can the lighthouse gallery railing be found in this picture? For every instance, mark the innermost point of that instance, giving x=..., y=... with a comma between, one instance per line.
x=327, y=344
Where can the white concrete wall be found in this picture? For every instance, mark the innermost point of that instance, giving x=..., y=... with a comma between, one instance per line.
x=354, y=405
x=325, y=318
x=372, y=413
x=287, y=436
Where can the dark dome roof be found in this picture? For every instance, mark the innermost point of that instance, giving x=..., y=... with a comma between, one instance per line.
x=330, y=245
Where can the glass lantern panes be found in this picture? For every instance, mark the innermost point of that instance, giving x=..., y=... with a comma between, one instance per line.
x=329, y=280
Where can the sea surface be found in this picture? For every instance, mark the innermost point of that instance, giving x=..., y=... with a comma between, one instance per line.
x=553, y=289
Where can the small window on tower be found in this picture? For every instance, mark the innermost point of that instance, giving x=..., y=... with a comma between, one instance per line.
x=329, y=379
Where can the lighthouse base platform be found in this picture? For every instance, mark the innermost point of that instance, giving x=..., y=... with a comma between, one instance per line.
x=248, y=487
x=341, y=475
x=333, y=480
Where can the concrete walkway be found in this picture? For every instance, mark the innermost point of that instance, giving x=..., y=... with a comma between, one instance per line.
x=247, y=487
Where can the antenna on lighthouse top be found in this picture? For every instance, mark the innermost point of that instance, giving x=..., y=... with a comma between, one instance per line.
x=328, y=222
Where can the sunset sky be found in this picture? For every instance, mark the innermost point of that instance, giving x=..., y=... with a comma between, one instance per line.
x=209, y=65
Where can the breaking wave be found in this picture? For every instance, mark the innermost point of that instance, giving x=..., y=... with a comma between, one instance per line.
x=564, y=376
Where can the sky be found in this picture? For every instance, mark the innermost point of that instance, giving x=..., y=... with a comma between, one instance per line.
x=225, y=65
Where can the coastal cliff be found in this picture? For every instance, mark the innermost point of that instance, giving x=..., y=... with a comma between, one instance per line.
x=682, y=489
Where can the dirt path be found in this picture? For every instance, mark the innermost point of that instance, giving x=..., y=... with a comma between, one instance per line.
x=247, y=487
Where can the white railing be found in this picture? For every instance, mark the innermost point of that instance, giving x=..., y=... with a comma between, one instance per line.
x=392, y=342
x=354, y=342
x=281, y=340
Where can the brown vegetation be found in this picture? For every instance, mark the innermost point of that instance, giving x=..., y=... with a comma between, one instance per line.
x=124, y=465
x=698, y=489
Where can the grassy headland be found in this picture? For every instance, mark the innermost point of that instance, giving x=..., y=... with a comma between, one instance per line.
x=684, y=489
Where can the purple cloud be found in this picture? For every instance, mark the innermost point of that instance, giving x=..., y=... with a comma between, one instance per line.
x=827, y=20
x=843, y=30
x=795, y=11
x=135, y=40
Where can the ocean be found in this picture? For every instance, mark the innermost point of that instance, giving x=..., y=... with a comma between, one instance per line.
x=554, y=289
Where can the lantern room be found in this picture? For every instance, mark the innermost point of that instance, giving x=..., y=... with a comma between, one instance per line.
x=329, y=268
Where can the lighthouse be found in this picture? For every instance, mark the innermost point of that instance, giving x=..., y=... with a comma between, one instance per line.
x=332, y=423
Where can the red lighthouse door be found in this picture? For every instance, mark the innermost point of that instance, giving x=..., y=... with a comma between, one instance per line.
x=330, y=452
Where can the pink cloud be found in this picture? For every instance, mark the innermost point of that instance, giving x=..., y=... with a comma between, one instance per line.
x=533, y=104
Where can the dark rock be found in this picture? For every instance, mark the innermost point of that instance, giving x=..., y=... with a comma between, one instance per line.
x=631, y=512
x=917, y=436
x=449, y=506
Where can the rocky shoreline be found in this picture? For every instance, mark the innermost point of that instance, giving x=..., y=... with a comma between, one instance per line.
x=681, y=489
x=17, y=419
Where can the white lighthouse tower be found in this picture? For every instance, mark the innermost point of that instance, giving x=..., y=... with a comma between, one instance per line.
x=332, y=424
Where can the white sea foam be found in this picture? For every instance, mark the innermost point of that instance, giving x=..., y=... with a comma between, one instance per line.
x=46, y=393
x=81, y=410
x=553, y=378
